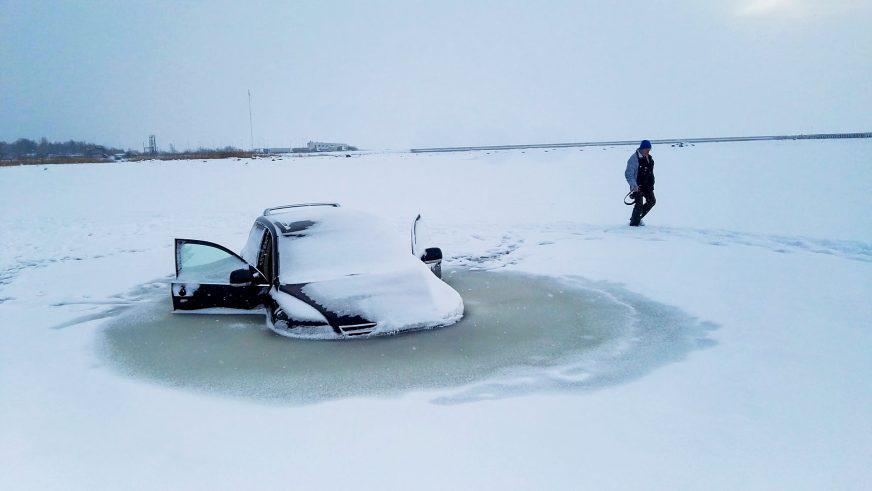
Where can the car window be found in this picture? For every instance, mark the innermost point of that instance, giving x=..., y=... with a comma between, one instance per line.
x=202, y=263
x=252, y=245
x=264, y=256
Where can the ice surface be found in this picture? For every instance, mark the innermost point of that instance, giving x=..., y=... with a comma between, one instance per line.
x=522, y=334
x=771, y=241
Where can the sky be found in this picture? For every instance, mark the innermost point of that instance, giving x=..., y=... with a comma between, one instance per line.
x=396, y=75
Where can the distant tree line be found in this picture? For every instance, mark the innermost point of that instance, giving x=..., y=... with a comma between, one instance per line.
x=42, y=149
x=29, y=152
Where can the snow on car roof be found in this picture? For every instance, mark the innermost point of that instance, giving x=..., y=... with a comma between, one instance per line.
x=324, y=242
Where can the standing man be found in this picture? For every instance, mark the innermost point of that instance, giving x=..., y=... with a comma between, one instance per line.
x=640, y=177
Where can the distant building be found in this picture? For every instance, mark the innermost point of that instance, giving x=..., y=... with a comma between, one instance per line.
x=271, y=150
x=328, y=147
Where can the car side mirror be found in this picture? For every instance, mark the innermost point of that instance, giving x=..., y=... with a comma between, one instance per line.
x=432, y=254
x=242, y=277
x=432, y=257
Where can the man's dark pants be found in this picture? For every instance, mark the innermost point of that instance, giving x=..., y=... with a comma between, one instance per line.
x=639, y=209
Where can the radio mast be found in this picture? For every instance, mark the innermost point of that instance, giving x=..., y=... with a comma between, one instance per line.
x=250, y=124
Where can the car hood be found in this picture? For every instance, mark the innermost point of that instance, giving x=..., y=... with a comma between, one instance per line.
x=412, y=298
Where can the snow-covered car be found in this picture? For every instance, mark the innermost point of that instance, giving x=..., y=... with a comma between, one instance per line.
x=319, y=271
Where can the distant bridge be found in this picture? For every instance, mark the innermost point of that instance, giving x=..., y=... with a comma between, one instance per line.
x=819, y=136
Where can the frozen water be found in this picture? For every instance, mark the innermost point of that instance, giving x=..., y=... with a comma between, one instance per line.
x=520, y=334
x=786, y=387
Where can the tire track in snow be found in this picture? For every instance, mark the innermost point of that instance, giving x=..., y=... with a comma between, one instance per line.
x=492, y=247
x=496, y=257
x=845, y=249
x=8, y=275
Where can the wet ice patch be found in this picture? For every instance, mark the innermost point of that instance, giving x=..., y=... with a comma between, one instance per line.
x=642, y=337
x=520, y=334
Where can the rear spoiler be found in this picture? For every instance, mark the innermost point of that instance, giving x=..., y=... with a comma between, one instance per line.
x=269, y=211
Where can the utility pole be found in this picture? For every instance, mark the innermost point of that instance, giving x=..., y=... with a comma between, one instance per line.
x=250, y=124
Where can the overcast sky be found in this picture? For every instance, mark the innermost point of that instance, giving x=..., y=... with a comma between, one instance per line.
x=401, y=74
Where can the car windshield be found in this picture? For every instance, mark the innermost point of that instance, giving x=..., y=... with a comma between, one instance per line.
x=325, y=243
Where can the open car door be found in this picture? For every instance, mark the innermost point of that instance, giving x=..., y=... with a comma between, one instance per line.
x=212, y=279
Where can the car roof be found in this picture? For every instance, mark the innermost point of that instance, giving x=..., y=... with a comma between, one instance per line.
x=299, y=220
x=325, y=241
x=286, y=208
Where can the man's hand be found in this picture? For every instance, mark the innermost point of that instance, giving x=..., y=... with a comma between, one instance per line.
x=635, y=189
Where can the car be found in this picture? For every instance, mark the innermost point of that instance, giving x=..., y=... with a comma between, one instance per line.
x=319, y=270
